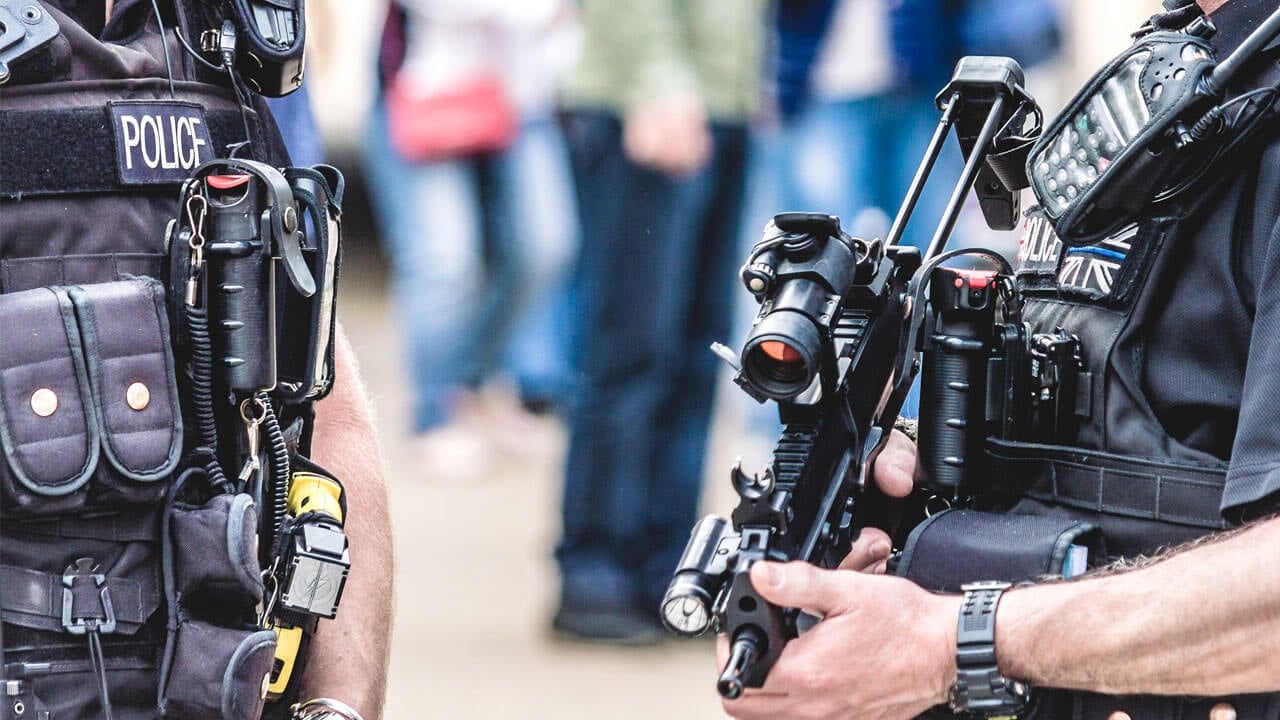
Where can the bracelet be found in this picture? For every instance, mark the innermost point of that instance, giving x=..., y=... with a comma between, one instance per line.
x=908, y=426
x=325, y=709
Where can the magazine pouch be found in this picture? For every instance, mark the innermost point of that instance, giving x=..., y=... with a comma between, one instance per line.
x=215, y=547
x=88, y=400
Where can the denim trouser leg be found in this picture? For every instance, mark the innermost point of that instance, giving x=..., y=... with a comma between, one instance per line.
x=704, y=315
x=628, y=483
x=430, y=214
x=535, y=205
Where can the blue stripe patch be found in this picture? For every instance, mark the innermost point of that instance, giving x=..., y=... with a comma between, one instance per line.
x=1098, y=251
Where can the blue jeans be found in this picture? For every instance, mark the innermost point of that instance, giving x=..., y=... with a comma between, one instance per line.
x=846, y=157
x=855, y=158
x=481, y=249
x=297, y=125
x=657, y=269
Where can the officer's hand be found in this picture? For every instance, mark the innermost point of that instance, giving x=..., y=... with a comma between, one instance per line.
x=895, y=468
x=869, y=553
x=884, y=649
x=894, y=473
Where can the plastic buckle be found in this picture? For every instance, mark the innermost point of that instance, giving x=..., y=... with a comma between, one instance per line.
x=83, y=569
x=25, y=26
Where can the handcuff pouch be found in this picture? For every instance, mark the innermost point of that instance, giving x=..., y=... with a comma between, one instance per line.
x=959, y=546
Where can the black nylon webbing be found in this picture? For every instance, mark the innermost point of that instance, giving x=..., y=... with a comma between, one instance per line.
x=1106, y=483
x=120, y=528
x=74, y=151
x=35, y=599
x=17, y=274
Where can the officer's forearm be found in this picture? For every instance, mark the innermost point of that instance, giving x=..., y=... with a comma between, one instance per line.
x=1204, y=621
x=349, y=656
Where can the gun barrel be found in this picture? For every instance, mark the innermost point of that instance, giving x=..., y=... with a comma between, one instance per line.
x=748, y=646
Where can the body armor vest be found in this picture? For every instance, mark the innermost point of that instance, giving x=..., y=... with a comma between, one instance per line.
x=130, y=583
x=1120, y=468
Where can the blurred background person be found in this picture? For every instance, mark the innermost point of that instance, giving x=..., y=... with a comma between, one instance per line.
x=657, y=111
x=852, y=112
x=469, y=178
x=856, y=82
x=477, y=583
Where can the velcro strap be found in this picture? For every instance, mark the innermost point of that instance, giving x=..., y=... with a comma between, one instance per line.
x=18, y=274
x=74, y=150
x=34, y=599
x=1010, y=166
x=115, y=527
x=1107, y=483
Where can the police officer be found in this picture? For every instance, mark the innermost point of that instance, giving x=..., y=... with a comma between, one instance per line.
x=1185, y=375
x=102, y=122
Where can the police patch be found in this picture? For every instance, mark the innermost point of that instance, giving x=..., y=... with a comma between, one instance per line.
x=1101, y=271
x=159, y=142
x=1038, y=253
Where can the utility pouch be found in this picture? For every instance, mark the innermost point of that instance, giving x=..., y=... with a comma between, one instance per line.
x=306, y=324
x=89, y=412
x=215, y=549
x=218, y=673
x=269, y=49
x=956, y=547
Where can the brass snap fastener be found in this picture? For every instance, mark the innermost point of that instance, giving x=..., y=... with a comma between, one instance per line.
x=1119, y=715
x=138, y=396
x=44, y=402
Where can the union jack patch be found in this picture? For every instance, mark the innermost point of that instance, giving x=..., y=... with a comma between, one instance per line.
x=1098, y=272
x=1092, y=269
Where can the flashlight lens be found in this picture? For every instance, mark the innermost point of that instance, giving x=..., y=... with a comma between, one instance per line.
x=686, y=615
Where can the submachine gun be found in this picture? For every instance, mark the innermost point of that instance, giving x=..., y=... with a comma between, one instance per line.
x=836, y=344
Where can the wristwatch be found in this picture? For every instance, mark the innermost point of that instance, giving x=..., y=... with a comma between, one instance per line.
x=980, y=689
x=324, y=709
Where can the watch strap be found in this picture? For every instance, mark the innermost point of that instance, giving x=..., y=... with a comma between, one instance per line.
x=980, y=689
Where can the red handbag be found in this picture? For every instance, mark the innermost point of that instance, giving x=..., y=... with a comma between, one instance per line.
x=472, y=117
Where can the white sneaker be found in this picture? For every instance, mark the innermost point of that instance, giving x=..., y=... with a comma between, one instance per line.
x=452, y=453
x=515, y=432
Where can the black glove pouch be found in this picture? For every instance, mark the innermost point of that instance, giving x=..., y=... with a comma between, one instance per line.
x=218, y=673
x=215, y=550
x=955, y=547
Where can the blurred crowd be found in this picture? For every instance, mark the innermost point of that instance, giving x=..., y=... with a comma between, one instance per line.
x=565, y=190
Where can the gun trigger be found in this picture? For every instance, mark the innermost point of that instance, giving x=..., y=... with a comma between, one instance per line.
x=875, y=438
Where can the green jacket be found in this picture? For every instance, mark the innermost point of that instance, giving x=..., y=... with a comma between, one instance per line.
x=639, y=50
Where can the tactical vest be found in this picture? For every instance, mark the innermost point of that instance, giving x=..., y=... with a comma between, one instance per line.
x=131, y=551
x=1120, y=469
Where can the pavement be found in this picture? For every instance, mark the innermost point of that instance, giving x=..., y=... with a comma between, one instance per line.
x=476, y=584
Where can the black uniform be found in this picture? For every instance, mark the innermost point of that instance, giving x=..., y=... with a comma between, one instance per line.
x=1179, y=325
x=113, y=589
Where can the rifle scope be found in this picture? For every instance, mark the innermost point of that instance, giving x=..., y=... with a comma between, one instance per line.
x=800, y=268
